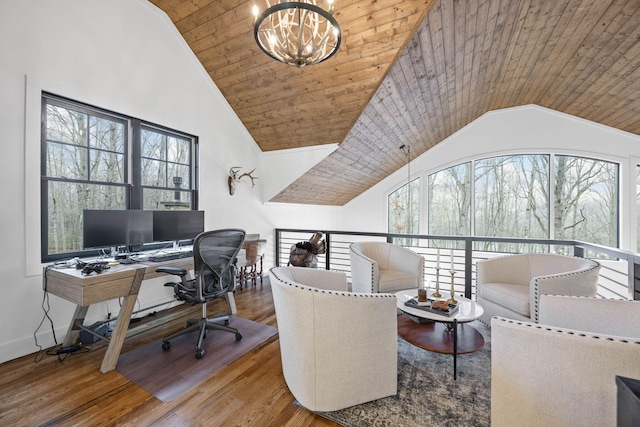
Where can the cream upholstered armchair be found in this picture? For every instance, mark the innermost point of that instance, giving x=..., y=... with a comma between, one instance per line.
x=562, y=371
x=338, y=348
x=510, y=286
x=384, y=267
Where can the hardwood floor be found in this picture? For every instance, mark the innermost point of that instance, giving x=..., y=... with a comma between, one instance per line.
x=249, y=392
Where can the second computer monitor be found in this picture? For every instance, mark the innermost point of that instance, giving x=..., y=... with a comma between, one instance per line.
x=177, y=225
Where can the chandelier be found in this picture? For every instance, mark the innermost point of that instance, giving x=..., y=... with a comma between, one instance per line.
x=297, y=32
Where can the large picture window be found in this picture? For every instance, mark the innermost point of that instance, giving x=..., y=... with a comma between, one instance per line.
x=526, y=196
x=96, y=159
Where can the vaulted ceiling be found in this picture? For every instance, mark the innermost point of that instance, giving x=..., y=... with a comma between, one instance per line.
x=414, y=72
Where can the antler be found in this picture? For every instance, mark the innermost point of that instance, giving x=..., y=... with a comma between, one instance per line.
x=233, y=172
x=250, y=177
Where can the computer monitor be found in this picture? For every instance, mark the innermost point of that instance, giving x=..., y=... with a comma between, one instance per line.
x=113, y=228
x=177, y=225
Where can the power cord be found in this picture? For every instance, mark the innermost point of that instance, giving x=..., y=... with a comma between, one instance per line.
x=62, y=352
x=46, y=306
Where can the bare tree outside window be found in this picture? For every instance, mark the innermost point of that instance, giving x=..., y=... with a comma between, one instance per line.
x=86, y=155
x=585, y=200
x=403, y=207
x=515, y=196
x=449, y=195
x=511, y=200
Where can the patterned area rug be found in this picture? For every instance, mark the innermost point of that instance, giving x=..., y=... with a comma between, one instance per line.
x=427, y=393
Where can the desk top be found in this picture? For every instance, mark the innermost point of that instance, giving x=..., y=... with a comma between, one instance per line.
x=84, y=290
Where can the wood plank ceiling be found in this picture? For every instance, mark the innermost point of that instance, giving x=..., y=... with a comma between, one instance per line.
x=392, y=84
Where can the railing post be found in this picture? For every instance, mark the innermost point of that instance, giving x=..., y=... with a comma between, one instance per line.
x=327, y=254
x=578, y=251
x=634, y=279
x=468, y=258
x=276, y=254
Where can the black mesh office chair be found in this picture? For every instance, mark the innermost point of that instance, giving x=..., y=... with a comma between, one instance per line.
x=214, y=257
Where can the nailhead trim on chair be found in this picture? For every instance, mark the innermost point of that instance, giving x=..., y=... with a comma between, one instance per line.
x=366, y=258
x=536, y=295
x=340, y=293
x=567, y=332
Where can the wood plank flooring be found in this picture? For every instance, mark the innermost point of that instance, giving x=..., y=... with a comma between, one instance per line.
x=249, y=392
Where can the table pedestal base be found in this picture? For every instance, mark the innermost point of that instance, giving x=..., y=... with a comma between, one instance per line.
x=440, y=337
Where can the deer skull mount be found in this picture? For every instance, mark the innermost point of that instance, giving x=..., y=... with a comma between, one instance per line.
x=235, y=176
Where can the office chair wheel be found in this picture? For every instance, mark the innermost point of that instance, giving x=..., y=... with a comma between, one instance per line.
x=238, y=336
x=166, y=345
x=199, y=353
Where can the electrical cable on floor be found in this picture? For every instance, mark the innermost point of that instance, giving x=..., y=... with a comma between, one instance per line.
x=64, y=352
x=46, y=306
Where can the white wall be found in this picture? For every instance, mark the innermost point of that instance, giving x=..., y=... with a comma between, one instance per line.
x=126, y=56
x=525, y=129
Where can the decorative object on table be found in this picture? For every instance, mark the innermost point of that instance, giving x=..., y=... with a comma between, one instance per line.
x=422, y=295
x=452, y=300
x=443, y=308
x=235, y=176
x=437, y=293
x=297, y=32
x=305, y=254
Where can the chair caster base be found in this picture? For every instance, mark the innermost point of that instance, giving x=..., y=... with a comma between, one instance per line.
x=238, y=336
x=166, y=345
x=199, y=354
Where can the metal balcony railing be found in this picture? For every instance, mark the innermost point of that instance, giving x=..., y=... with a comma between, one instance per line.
x=619, y=275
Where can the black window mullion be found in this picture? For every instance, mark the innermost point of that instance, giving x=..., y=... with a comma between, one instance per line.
x=135, y=189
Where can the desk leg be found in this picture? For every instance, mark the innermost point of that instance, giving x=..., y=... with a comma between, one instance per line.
x=231, y=303
x=122, y=324
x=74, y=328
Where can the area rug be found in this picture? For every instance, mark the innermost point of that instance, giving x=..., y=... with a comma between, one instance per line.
x=169, y=374
x=427, y=393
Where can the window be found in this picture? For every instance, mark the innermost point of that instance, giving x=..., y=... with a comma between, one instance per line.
x=403, y=207
x=449, y=196
x=511, y=199
x=96, y=159
x=522, y=196
x=585, y=200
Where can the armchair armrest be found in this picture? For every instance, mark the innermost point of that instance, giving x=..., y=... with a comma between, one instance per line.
x=176, y=271
x=321, y=279
x=583, y=282
x=365, y=273
x=598, y=315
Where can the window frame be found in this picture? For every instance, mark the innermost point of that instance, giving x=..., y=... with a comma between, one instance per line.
x=132, y=180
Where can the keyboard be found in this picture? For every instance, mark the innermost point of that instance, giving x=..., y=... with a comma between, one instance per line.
x=168, y=256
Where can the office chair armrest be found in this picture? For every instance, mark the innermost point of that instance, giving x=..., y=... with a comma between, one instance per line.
x=176, y=271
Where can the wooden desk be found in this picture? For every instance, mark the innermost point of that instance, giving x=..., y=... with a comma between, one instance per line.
x=122, y=281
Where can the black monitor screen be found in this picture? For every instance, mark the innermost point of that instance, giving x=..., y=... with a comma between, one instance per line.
x=177, y=225
x=111, y=228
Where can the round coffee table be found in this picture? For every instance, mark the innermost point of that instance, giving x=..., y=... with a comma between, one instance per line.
x=440, y=333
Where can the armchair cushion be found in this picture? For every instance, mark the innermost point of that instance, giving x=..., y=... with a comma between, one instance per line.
x=384, y=267
x=510, y=286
